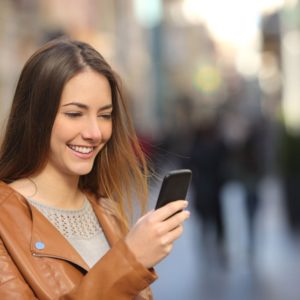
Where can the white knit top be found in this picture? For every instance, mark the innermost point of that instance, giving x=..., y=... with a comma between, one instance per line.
x=80, y=227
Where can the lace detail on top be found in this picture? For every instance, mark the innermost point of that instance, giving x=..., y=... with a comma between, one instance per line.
x=80, y=227
x=73, y=224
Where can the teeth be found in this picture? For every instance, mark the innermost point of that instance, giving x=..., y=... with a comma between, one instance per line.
x=79, y=149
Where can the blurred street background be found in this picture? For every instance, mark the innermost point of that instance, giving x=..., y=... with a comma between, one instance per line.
x=214, y=86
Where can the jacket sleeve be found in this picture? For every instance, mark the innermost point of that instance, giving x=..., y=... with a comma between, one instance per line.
x=116, y=276
x=12, y=284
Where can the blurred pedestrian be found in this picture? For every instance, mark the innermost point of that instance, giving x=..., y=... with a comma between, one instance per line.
x=207, y=160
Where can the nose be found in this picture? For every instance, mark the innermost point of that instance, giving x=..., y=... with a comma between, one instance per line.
x=92, y=131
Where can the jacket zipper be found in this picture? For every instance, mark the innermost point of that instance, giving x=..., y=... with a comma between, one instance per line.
x=57, y=257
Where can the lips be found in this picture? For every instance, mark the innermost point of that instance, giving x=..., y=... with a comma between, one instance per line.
x=81, y=149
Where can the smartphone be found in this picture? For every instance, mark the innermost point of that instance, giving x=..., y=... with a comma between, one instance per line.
x=175, y=186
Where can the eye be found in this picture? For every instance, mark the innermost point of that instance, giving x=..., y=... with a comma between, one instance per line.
x=106, y=116
x=73, y=114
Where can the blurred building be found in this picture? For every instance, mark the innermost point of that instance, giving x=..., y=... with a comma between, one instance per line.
x=229, y=69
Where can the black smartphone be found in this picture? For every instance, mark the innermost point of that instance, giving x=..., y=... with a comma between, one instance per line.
x=175, y=186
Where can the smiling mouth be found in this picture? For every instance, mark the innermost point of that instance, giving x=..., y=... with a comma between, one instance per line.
x=81, y=149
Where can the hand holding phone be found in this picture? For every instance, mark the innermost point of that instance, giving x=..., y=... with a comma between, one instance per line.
x=174, y=187
x=146, y=242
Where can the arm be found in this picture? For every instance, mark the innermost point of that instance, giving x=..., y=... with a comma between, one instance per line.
x=116, y=276
x=126, y=266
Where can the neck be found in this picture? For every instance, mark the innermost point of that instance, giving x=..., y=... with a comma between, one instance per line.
x=56, y=189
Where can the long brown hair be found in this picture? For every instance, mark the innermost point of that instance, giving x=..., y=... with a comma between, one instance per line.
x=120, y=169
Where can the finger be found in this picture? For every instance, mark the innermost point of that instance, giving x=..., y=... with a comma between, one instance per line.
x=173, y=235
x=170, y=209
x=175, y=220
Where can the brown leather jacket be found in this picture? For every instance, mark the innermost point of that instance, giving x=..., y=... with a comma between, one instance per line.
x=57, y=271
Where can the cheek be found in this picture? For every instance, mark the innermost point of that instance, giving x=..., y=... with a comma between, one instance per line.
x=61, y=131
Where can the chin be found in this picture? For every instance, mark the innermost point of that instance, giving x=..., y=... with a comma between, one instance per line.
x=81, y=171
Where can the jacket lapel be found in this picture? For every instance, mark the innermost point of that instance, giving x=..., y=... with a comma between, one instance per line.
x=46, y=240
x=55, y=245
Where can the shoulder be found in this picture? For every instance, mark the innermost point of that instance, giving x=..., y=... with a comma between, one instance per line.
x=11, y=202
x=15, y=213
x=6, y=192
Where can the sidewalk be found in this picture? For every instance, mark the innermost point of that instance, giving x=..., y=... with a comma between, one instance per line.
x=192, y=271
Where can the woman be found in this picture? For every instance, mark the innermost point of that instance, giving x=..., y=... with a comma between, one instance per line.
x=70, y=164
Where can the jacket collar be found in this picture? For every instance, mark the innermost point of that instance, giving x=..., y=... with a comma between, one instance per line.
x=47, y=241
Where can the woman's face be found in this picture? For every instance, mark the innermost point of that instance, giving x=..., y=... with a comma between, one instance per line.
x=83, y=124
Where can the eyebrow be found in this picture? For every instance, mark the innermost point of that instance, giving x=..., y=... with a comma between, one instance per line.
x=83, y=106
